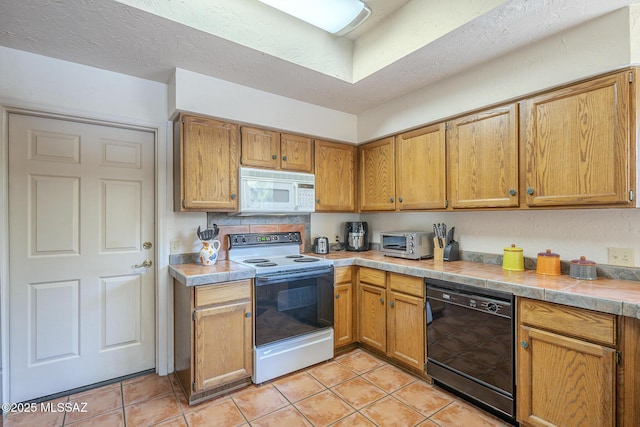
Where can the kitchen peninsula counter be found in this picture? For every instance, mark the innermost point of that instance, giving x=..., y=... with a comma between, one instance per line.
x=621, y=297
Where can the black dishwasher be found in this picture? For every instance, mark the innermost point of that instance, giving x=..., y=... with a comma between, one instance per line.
x=470, y=344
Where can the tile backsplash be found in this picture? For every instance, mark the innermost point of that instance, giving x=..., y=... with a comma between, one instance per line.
x=250, y=224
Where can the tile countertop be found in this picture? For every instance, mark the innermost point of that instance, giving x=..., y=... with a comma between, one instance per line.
x=620, y=297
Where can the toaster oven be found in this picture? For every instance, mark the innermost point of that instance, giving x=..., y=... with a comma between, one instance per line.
x=407, y=244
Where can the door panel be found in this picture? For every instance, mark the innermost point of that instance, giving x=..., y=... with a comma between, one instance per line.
x=53, y=334
x=81, y=202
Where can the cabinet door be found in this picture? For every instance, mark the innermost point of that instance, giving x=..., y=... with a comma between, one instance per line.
x=406, y=329
x=260, y=148
x=296, y=153
x=377, y=176
x=372, y=323
x=421, y=170
x=223, y=344
x=208, y=158
x=577, y=144
x=343, y=325
x=335, y=166
x=564, y=381
x=343, y=315
x=483, y=159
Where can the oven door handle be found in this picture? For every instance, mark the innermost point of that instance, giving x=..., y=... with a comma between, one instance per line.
x=285, y=277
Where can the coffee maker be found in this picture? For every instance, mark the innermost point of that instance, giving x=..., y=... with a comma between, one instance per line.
x=357, y=236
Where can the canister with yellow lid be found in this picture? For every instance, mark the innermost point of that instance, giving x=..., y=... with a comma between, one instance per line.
x=513, y=259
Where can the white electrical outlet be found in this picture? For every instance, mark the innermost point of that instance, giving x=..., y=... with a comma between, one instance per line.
x=174, y=247
x=621, y=256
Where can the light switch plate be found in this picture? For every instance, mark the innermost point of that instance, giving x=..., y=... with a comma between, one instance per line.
x=621, y=256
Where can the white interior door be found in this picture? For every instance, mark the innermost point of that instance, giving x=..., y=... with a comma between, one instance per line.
x=81, y=216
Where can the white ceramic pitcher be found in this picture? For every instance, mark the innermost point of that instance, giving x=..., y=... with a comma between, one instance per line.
x=209, y=252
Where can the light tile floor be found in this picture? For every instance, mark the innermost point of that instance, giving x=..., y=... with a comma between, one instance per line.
x=355, y=389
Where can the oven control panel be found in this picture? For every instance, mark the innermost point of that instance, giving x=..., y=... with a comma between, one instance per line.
x=258, y=239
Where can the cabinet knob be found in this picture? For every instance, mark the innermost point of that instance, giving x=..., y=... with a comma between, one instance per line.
x=381, y=300
x=284, y=158
x=391, y=199
x=400, y=199
x=530, y=191
x=273, y=156
x=318, y=201
x=248, y=314
x=337, y=296
x=391, y=304
x=233, y=196
x=512, y=192
x=524, y=344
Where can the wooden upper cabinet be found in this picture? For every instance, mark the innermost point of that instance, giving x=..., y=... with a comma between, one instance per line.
x=377, y=176
x=296, y=153
x=483, y=159
x=206, y=159
x=335, y=166
x=421, y=169
x=577, y=146
x=269, y=149
x=260, y=148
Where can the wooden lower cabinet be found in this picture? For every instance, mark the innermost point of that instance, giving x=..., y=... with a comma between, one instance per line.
x=405, y=329
x=566, y=360
x=391, y=315
x=213, y=337
x=372, y=324
x=343, y=313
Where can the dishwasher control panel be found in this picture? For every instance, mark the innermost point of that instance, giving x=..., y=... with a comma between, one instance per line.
x=470, y=300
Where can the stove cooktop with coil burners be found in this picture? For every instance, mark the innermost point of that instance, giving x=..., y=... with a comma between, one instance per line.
x=271, y=253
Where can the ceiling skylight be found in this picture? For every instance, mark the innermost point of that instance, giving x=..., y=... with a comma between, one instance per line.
x=337, y=17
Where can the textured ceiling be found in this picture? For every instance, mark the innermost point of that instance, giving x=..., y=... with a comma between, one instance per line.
x=405, y=45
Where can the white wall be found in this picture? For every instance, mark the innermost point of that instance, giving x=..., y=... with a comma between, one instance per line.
x=193, y=92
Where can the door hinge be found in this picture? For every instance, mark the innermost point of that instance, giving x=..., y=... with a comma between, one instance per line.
x=193, y=386
x=193, y=316
x=183, y=203
x=446, y=203
x=630, y=76
x=618, y=358
x=631, y=195
x=446, y=126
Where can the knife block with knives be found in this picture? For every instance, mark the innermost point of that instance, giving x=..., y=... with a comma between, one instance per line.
x=445, y=248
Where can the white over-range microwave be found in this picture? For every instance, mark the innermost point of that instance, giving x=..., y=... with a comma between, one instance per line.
x=264, y=191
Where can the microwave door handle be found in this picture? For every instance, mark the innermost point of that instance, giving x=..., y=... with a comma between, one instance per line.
x=295, y=196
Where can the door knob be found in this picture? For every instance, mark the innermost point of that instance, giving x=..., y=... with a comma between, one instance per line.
x=524, y=344
x=146, y=264
x=391, y=304
x=147, y=245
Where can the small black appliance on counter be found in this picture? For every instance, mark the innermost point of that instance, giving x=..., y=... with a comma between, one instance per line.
x=357, y=236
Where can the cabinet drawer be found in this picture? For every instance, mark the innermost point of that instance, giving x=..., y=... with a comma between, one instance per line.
x=343, y=274
x=577, y=322
x=372, y=276
x=221, y=293
x=407, y=284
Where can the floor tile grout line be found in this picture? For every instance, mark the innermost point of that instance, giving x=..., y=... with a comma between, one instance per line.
x=124, y=413
x=238, y=408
